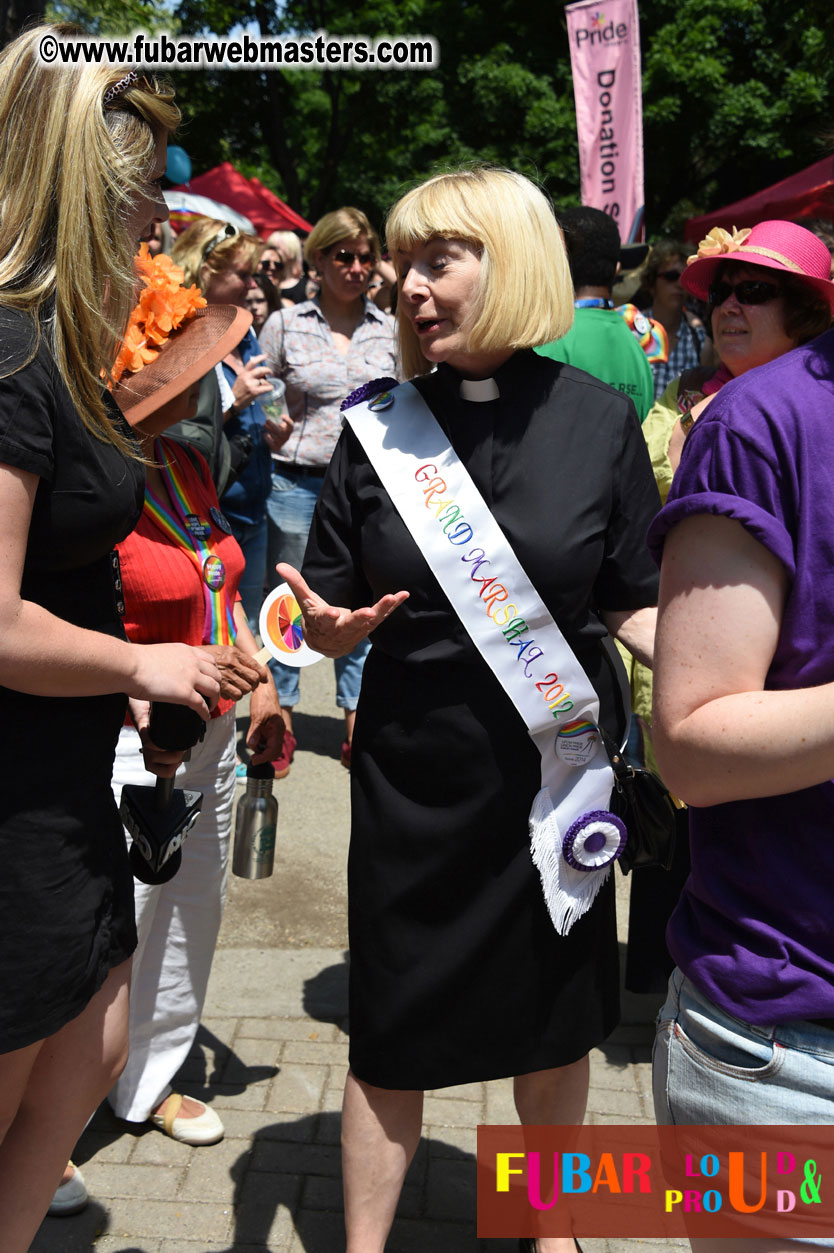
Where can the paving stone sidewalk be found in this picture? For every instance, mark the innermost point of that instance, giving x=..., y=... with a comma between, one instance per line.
x=271, y=1057
x=276, y=1077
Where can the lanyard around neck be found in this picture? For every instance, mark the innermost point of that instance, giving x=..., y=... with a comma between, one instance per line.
x=180, y=521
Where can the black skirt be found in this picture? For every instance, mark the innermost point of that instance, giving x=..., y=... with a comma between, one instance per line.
x=457, y=974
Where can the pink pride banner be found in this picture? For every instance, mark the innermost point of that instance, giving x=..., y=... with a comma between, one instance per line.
x=605, y=60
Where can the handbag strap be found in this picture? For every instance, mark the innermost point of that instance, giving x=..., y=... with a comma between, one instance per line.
x=621, y=768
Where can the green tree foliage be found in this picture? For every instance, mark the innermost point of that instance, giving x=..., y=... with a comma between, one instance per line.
x=112, y=17
x=358, y=137
x=737, y=94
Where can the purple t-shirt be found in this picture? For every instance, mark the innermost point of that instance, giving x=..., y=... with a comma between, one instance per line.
x=755, y=925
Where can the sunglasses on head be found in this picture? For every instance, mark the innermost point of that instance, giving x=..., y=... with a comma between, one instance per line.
x=228, y=232
x=750, y=291
x=346, y=257
x=671, y=276
x=272, y=265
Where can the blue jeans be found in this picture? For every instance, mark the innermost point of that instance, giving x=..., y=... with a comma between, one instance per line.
x=252, y=539
x=709, y=1067
x=290, y=508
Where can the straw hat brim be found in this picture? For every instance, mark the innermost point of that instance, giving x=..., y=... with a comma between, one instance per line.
x=187, y=357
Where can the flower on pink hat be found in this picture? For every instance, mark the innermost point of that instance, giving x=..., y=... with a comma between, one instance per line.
x=718, y=242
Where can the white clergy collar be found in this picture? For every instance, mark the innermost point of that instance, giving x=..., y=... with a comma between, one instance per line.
x=479, y=390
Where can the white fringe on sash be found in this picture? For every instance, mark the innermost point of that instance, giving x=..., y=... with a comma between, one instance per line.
x=568, y=893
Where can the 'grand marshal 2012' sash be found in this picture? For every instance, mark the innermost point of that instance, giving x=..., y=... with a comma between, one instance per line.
x=574, y=838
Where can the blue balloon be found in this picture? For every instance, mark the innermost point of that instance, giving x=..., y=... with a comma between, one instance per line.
x=178, y=169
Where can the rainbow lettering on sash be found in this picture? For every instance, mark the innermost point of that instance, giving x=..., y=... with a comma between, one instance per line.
x=497, y=599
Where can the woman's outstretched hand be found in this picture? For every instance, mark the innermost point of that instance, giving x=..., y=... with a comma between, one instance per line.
x=331, y=629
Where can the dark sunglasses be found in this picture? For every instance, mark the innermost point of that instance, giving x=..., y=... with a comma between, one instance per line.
x=265, y=266
x=750, y=291
x=671, y=276
x=346, y=257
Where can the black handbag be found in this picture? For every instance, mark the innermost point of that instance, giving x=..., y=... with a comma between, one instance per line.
x=642, y=802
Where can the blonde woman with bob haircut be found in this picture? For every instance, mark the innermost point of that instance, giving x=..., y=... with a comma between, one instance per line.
x=457, y=974
x=82, y=154
x=525, y=293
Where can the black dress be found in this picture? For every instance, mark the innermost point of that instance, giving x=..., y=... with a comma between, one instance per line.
x=457, y=974
x=66, y=892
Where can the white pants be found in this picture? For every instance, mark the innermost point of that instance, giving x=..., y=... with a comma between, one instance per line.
x=177, y=922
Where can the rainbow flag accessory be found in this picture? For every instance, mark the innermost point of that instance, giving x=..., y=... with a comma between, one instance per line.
x=651, y=335
x=577, y=742
x=173, y=521
x=581, y=727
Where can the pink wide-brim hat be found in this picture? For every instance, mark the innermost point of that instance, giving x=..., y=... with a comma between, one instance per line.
x=772, y=245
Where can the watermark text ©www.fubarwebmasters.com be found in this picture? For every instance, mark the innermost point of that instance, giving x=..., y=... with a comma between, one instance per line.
x=318, y=51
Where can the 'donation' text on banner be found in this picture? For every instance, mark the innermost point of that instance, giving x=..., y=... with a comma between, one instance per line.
x=605, y=61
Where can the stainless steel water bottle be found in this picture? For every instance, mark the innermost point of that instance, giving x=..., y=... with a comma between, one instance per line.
x=255, y=824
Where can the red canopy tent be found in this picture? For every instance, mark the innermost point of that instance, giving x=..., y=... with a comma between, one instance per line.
x=265, y=210
x=808, y=194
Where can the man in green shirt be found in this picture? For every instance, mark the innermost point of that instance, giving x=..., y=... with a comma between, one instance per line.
x=600, y=341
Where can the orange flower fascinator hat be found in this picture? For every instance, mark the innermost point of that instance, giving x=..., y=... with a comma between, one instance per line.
x=173, y=339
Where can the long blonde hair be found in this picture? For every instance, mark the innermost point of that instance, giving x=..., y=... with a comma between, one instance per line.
x=71, y=169
x=525, y=294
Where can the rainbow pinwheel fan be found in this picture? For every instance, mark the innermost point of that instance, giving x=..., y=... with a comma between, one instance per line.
x=281, y=626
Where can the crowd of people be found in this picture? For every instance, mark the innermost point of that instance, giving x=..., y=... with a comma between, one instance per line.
x=431, y=445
